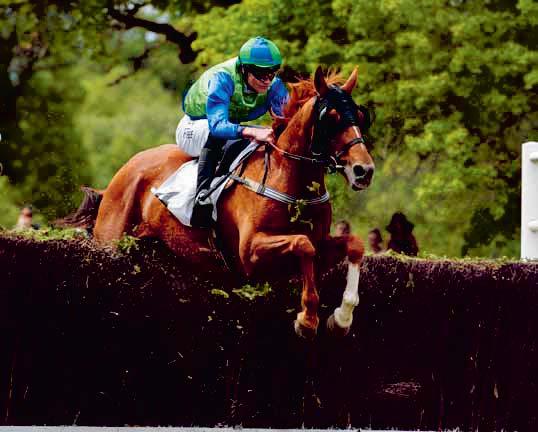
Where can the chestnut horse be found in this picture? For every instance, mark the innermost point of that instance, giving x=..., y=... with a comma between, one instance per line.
x=256, y=230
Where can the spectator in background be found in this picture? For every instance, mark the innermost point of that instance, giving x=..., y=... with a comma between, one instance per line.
x=342, y=228
x=25, y=219
x=375, y=241
x=401, y=238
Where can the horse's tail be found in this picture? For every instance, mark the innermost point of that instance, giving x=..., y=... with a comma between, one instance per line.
x=86, y=214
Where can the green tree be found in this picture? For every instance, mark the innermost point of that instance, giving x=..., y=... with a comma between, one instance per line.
x=120, y=120
x=9, y=208
x=41, y=45
x=40, y=150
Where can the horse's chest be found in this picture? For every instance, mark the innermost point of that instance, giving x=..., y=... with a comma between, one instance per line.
x=313, y=221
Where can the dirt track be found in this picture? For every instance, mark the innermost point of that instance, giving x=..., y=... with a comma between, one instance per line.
x=96, y=338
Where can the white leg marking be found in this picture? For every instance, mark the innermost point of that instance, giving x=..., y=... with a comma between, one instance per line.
x=343, y=315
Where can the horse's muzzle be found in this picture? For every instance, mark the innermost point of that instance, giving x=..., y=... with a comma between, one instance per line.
x=362, y=176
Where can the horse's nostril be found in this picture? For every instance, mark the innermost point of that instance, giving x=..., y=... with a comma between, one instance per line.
x=359, y=171
x=369, y=173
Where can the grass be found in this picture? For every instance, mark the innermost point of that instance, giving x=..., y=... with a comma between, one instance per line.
x=47, y=233
x=250, y=292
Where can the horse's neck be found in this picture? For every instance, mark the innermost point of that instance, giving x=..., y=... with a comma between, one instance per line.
x=295, y=139
x=297, y=135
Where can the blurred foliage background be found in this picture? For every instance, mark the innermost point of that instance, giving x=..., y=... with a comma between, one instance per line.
x=86, y=84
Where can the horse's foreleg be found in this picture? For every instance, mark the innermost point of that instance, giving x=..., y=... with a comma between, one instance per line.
x=263, y=245
x=352, y=248
x=307, y=320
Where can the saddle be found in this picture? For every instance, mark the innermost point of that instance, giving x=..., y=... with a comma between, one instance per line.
x=178, y=191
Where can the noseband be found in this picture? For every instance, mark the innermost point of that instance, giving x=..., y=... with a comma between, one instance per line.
x=336, y=161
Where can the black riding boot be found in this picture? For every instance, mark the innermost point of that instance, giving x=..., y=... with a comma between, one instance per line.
x=207, y=163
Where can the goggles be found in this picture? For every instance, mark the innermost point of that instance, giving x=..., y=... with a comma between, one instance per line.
x=263, y=74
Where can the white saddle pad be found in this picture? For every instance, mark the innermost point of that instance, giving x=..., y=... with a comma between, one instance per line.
x=178, y=191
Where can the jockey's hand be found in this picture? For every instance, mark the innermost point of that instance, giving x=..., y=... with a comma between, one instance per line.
x=260, y=134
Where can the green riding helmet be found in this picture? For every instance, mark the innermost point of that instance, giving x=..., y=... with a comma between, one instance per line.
x=260, y=52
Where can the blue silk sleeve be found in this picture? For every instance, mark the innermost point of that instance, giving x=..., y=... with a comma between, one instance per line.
x=221, y=88
x=278, y=96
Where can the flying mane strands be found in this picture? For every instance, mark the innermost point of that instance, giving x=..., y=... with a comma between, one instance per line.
x=300, y=92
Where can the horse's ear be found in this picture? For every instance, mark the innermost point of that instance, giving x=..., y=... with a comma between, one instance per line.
x=351, y=81
x=319, y=82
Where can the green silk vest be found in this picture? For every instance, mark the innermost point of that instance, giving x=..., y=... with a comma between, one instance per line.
x=241, y=103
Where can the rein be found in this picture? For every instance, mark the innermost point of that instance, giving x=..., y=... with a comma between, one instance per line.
x=268, y=192
x=296, y=156
x=260, y=188
x=333, y=163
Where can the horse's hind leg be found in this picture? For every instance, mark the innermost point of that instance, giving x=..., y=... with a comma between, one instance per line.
x=115, y=217
x=264, y=246
x=352, y=248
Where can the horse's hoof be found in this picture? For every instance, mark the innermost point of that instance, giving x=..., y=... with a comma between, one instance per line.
x=335, y=329
x=303, y=331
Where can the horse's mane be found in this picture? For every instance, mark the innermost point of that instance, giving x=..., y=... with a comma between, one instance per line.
x=300, y=92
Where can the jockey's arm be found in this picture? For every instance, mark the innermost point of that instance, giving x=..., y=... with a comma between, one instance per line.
x=278, y=96
x=221, y=89
x=220, y=92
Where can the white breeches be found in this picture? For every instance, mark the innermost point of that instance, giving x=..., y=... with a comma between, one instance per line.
x=191, y=135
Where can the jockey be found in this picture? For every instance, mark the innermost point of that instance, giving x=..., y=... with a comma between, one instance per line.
x=240, y=89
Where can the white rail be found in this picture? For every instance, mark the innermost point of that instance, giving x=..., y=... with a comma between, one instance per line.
x=529, y=200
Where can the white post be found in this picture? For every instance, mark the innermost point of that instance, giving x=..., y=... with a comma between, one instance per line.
x=529, y=200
